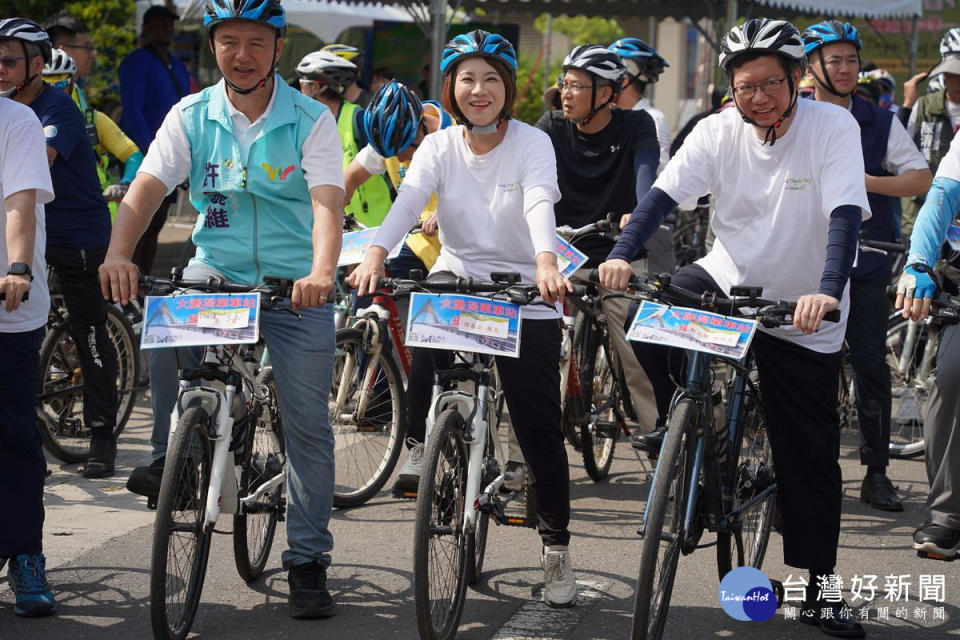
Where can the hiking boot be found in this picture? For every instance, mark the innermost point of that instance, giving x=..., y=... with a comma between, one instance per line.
x=559, y=584
x=103, y=452
x=145, y=481
x=28, y=579
x=309, y=598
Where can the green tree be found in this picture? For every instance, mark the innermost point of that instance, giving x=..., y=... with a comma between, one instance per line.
x=581, y=29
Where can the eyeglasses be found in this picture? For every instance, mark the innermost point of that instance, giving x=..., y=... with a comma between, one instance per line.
x=770, y=87
x=572, y=86
x=89, y=48
x=10, y=62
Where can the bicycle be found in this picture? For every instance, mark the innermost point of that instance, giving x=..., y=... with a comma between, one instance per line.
x=60, y=393
x=226, y=456
x=594, y=393
x=461, y=486
x=715, y=469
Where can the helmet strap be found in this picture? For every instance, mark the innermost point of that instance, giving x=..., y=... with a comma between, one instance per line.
x=13, y=93
x=486, y=129
x=826, y=82
x=771, y=135
x=263, y=81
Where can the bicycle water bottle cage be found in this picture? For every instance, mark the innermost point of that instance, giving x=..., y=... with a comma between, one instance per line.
x=744, y=291
x=505, y=277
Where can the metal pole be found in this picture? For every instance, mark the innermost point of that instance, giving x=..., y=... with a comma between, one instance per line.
x=438, y=19
x=914, y=44
x=731, y=21
x=547, y=37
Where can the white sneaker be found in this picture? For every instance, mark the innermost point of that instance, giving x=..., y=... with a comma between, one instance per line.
x=514, y=476
x=559, y=583
x=414, y=464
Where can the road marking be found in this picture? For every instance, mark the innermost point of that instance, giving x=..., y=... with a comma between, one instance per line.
x=534, y=620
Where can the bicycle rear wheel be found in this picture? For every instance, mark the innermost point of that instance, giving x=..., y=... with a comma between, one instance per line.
x=255, y=526
x=664, y=526
x=442, y=550
x=181, y=544
x=909, y=395
x=60, y=396
x=751, y=472
x=368, y=439
x=601, y=395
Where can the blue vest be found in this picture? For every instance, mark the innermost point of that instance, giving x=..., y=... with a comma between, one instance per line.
x=256, y=216
x=874, y=133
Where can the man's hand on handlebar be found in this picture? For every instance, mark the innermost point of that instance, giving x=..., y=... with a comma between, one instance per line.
x=915, y=291
x=13, y=288
x=311, y=291
x=615, y=274
x=810, y=311
x=119, y=279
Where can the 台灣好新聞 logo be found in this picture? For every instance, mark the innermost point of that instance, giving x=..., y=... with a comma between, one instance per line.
x=745, y=593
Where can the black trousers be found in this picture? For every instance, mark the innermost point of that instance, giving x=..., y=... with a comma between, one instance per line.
x=77, y=270
x=798, y=388
x=22, y=466
x=867, y=353
x=531, y=386
x=146, y=250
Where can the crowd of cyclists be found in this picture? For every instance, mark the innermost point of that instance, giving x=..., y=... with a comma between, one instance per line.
x=793, y=188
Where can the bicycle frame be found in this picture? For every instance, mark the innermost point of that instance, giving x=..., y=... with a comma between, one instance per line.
x=226, y=365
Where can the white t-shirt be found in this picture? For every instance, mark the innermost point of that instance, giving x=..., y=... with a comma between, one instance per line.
x=902, y=154
x=168, y=159
x=23, y=165
x=480, y=203
x=773, y=203
x=663, y=129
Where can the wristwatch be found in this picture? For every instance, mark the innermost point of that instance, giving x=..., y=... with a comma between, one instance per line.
x=20, y=269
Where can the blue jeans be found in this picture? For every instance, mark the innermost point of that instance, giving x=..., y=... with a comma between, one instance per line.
x=301, y=352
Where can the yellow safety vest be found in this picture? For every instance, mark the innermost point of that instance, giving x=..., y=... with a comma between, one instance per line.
x=371, y=201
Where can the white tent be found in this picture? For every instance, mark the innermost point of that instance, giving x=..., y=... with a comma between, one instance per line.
x=325, y=19
x=860, y=8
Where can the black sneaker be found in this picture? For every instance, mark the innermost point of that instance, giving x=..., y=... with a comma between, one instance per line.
x=834, y=618
x=145, y=481
x=649, y=442
x=936, y=541
x=103, y=452
x=309, y=598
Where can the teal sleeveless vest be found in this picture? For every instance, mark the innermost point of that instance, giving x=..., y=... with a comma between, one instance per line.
x=256, y=216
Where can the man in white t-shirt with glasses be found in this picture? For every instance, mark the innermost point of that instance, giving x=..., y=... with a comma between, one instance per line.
x=787, y=178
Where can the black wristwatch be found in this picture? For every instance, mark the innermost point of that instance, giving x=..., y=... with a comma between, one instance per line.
x=20, y=269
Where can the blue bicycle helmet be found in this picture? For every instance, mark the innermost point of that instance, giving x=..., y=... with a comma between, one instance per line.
x=478, y=43
x=642, y=60
x=391, y=120
x=824, y=33
x=269, y=12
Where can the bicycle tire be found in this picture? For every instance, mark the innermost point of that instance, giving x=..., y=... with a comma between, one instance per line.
x=570, y=412
x=665, y=514
x=60, y=393
x=599, y=388
x=253, y=531
x=751, y=469
x=365, y=455
x=439, y=591
x=478, y=545
x=180, y=510
x=906, y=434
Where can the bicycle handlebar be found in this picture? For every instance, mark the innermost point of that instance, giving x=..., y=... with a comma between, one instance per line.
x=500, y=283
x=24, y=298
x=274, y=288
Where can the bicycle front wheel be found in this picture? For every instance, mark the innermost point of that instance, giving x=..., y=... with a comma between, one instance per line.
x=909, y=395
x=664, y=526
x=442, y=548
x=751, y=472
x=601, y=395
x=368, y=418
x=254, y=526
x=181, y=544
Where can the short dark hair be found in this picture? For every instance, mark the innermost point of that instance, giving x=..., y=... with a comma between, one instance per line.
x=63, y=25
x=449, y=100
x=384, y=72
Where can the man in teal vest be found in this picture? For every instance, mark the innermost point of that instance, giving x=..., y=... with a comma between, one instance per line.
x=264, y=165
x=325, y=77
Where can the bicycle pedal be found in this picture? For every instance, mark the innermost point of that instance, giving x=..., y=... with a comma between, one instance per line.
x=404, y=494
x=282, y=510
x=608, y=430
x=935, y=556
x=152, y=503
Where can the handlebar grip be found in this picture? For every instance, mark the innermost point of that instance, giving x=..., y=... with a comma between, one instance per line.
x=832, y=316
x=26, y=296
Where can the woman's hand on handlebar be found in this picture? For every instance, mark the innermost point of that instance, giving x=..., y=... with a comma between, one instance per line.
x=810, y=311
x=119, y=278
x=615, y=274
x=429, y=226
x=552, y=285
x=368, y=273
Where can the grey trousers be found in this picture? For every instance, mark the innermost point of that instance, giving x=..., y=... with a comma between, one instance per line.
x=941, y=433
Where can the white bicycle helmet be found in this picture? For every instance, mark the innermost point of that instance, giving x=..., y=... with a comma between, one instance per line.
x=761, y=34
x=333, y=71
x=60, y=63
x=27, y=32
x=950, y=43
x=598, y=61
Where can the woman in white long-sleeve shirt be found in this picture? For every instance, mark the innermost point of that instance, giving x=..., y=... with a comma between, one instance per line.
x=496, y=182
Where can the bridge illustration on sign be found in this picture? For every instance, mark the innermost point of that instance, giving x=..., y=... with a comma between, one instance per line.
x=163, y=323
x=429, y=312
x=162, y=317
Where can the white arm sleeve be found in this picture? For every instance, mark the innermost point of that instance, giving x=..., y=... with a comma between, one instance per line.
x=538, y=212
x=403, y=214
